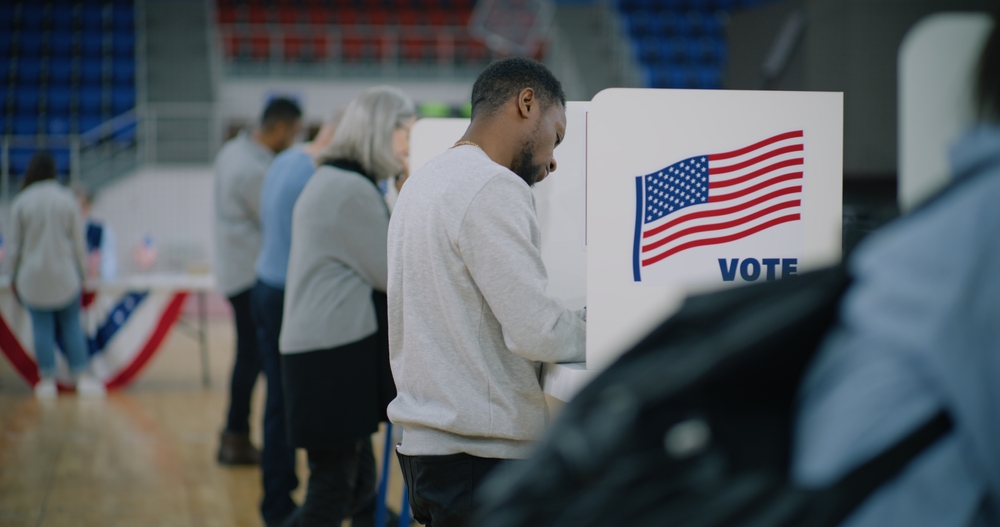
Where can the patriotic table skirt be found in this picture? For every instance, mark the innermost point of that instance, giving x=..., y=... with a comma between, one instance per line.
x=124, y=329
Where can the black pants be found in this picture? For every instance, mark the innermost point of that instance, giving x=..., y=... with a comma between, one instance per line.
x=246, y=367
x=277, y=458
x=341, y=484
x=442, y=488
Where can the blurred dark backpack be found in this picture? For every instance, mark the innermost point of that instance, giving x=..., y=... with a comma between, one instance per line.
x=694, y=425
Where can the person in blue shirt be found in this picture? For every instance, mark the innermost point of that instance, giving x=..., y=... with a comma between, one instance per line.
x=283, y=182
x=102, y=261
x=919, y=331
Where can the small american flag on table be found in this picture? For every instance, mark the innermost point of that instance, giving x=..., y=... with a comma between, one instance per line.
x=718, y=198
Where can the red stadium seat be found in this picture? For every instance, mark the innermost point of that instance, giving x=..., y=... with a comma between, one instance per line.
x=378, y=17
x=260, y=46
x=231, y=45
x=462, y=16
x=319, y=15
x=226, y=15
x=418, y=48
x=258, y=15
x=408, y=17
x=288, y=15
x=294, y=47
x=439, y=17
x=319, y=46
x=347, y=17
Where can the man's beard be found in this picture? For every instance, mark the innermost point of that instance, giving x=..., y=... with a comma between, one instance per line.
x=524, y=165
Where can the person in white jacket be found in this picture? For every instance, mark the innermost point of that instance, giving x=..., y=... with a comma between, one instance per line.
x=48, y=262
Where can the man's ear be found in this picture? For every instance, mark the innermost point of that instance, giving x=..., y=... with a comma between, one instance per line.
x=526, y=103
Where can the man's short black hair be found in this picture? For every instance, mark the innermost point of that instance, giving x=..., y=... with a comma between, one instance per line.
x=505, y=78
x=280, y=110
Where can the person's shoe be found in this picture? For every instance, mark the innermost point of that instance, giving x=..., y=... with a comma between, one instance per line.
x=89, y=386
x=236, y=449
x=46, y=389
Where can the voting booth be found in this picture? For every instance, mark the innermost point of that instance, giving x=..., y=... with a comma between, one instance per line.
x=662, y=193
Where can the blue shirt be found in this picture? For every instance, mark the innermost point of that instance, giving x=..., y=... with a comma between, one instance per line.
x=283, y=183
x=919, y=331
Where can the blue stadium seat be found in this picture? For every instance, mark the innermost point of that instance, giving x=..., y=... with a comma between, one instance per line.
x=123, y=43
x=125, y=134
x=91, y=70
x=90, y=99
x=60, y=70
x=122, y=99
x=61, y=43
x=26, y=125
x=29, y=69
x=88, y=122
x=58, y=125
x=26, y=99
x=62, y=19
x=124, y=17
x=711, y=25
x=3, y=126
x=677, y=77
x=708, y=77
x=638, y=24
x=61, y=157
x=6, y=16
x=92, y=43
x=32, y=16
x=31, y=43
x=58, y=99
x=671, y=49
x=92, y=17
x=5, y=43
x=649, y=50
x=4, y=72
x=124, y=71
x=19, y=159
x=693, y=49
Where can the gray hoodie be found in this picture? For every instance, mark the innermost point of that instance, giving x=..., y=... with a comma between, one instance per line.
x=469, y=318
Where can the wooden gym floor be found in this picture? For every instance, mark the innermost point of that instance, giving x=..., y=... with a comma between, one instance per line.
x=143, y=457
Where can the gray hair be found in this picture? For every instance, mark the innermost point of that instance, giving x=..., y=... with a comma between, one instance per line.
x=364, y=135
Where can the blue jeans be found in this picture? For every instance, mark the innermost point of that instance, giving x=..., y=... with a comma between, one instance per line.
x=43, y=324
x=277, y=458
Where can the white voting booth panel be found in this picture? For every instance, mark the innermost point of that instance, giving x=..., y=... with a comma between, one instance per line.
x=690, y=190
x=937, y=62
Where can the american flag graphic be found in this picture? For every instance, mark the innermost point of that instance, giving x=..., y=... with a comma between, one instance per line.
x=144, y=254
x=717, y=198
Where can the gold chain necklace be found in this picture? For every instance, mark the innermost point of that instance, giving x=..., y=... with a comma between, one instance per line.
x=467, y=143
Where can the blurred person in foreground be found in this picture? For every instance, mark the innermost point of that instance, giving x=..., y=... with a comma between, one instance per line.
x=469, y=318
x=284, y=181
x=102, y=260
x=239, y=174
x=48, y=262
x=334, y=343
x=919, y=331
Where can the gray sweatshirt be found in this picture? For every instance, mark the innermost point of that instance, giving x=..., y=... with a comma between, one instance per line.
x=469, y=319
x=337, y=258
x=239, y=174
x=47, y=252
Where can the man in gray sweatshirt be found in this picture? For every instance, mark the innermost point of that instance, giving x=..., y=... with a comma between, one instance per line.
x=469, y=318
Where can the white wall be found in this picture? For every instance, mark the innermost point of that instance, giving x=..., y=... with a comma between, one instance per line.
x=243, y=99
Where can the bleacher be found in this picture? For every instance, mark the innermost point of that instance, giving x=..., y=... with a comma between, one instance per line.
x=680, y=43
x=404, y=33
x=69, y=66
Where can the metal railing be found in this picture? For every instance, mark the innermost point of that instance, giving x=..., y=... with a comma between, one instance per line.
x=95, y=156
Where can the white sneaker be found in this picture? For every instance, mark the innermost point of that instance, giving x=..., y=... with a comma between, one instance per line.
x=46, y=389
x=88, y=386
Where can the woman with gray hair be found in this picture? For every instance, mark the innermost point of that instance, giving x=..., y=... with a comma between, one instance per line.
x=334, y=344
